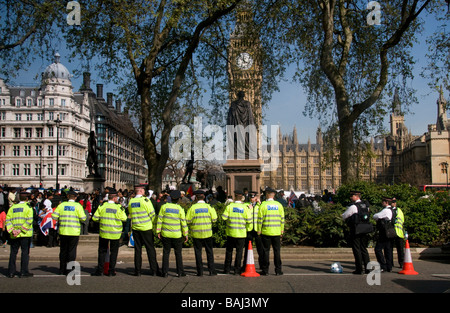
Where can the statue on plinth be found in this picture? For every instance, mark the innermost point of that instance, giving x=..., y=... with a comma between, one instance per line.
x=240, y=122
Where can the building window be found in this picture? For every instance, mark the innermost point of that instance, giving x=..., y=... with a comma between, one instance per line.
x=3, y=132
x=26, y=169
x=28, y=132
x=2, y=150
x=40, y=102
x=37, y=169
x=38, y=150
x=50, y=169
x=40, y=117
x=39, y=132
x=29, y=117
x=51, y=102
x=18, y=102
x=2, y=170
x=29, y=102
x=16, y=150
x=50, y=131
x=50, y=150
x=15, y=169
x=3, y=116
x=18, y=117
x=316, y=171
x=27, y=150
x=63, y=102
x=50, y=116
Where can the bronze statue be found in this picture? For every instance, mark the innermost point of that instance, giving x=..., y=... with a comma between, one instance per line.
x=240, y=114
x=92, y=161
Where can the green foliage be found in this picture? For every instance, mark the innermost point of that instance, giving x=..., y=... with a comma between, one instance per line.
x=426, y=217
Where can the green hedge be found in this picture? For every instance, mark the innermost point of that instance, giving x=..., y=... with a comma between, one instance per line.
x=426, y=217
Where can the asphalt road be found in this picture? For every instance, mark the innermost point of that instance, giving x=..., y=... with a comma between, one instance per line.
x=299, y=277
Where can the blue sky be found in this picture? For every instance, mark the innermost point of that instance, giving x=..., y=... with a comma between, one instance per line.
x=286, y=106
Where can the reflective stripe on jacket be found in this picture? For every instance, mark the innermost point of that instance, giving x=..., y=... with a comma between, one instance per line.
x=110, y=216
x=238, y=217
x=200, y=217
x=172, y=221
x=142, y=213
x=69, y=215
x=271, y=218
x=20, y=216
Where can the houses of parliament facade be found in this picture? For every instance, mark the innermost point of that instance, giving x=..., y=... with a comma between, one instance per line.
x=399, y=157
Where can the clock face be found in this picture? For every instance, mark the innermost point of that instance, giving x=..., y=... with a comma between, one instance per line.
x=244, y=61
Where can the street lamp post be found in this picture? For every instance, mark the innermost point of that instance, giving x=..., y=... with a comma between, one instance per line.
x=58, y=124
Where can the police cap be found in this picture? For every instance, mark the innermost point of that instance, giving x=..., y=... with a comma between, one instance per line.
x=175, y=194
x=355, y=192
x=199, y=192
x=253, y=193
x=270, y=190
x=71, y=193
x=238, y=192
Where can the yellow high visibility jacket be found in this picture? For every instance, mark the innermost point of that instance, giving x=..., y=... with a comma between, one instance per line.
x=142, y=213
x=271, y=218
x=199, y=218
x=69, y=215
x=238, y=217
x=20, y=216
x=399, y=220
x=172, y=221
x=111, y=216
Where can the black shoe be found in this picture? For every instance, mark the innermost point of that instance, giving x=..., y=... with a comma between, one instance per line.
x=212, y=273
x=11, y=275
x=137, y=273
x=226, y=272
x=279, y=273
x=264, y=273
x=97, y=273
x=112, y=273
x=182, y=274
x=199, y=274
x=26, y=275
x=165, y=275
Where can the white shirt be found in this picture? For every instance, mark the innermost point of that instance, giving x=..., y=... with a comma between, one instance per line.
x=352, y=209
x=386, y=214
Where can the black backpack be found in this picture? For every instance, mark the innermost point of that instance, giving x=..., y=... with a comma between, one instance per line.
x=362, y=222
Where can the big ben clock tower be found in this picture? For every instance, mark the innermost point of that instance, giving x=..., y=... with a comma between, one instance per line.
x=244, y=62
x=245, y=77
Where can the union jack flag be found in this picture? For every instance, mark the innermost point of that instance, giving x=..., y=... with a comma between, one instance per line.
x=47, y=223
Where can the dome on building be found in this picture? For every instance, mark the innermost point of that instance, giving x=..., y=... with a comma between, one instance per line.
x=57, y=70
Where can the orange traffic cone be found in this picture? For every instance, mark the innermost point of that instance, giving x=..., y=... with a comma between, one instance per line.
x=408, y=268
x=250, y=270
x=106, y=264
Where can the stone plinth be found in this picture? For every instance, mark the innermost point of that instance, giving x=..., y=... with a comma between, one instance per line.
x=242, y=174
x=93, y=182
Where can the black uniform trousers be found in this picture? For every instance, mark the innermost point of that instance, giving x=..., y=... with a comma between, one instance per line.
x=238, y=244
x=177, y=245
x=144, y=238
x=24, y=244
x=399, y=244
x=275, y=242
x=259, y=247
x=67, y=252
x=359, y=247
x=199, y=243
x=103, y=244
x=383, y=252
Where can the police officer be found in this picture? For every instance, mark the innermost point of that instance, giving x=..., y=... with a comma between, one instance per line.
x=398, y=241
x=271, y=229
x=70, y=215
x=19, y=224
x=358, y=241
x=143, y=218
x=251, y=232
x=383, y=244
x=111, y=216
x=237, y=218
x=173, y=231
x=199, y=218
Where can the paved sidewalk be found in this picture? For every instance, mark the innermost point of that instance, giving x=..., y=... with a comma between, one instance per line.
x=87, y=251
